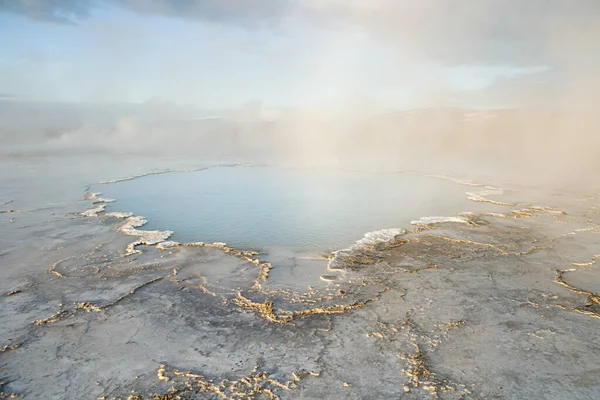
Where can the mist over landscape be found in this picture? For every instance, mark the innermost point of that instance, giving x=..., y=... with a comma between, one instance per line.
x=299, y=199
x=371, y=84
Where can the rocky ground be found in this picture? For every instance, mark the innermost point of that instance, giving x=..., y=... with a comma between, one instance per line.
x=483, y=306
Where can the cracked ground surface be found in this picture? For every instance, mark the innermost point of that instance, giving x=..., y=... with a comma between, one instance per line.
x=497, y=305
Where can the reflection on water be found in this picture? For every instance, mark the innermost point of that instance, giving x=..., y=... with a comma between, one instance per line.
x=266, y=207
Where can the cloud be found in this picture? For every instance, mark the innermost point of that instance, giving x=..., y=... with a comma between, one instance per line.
x=57, y=11
x=349, y=44
x=461, y=32
x=512, y=32
x=249, y=13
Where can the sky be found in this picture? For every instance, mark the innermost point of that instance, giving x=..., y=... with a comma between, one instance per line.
x=216, y=54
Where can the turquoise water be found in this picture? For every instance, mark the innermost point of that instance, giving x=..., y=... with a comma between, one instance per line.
x=262, y=207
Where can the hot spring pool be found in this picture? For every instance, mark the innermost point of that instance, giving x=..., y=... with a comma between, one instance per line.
x=273, y=207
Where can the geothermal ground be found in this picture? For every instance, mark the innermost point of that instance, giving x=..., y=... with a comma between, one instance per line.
x=483, y=305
